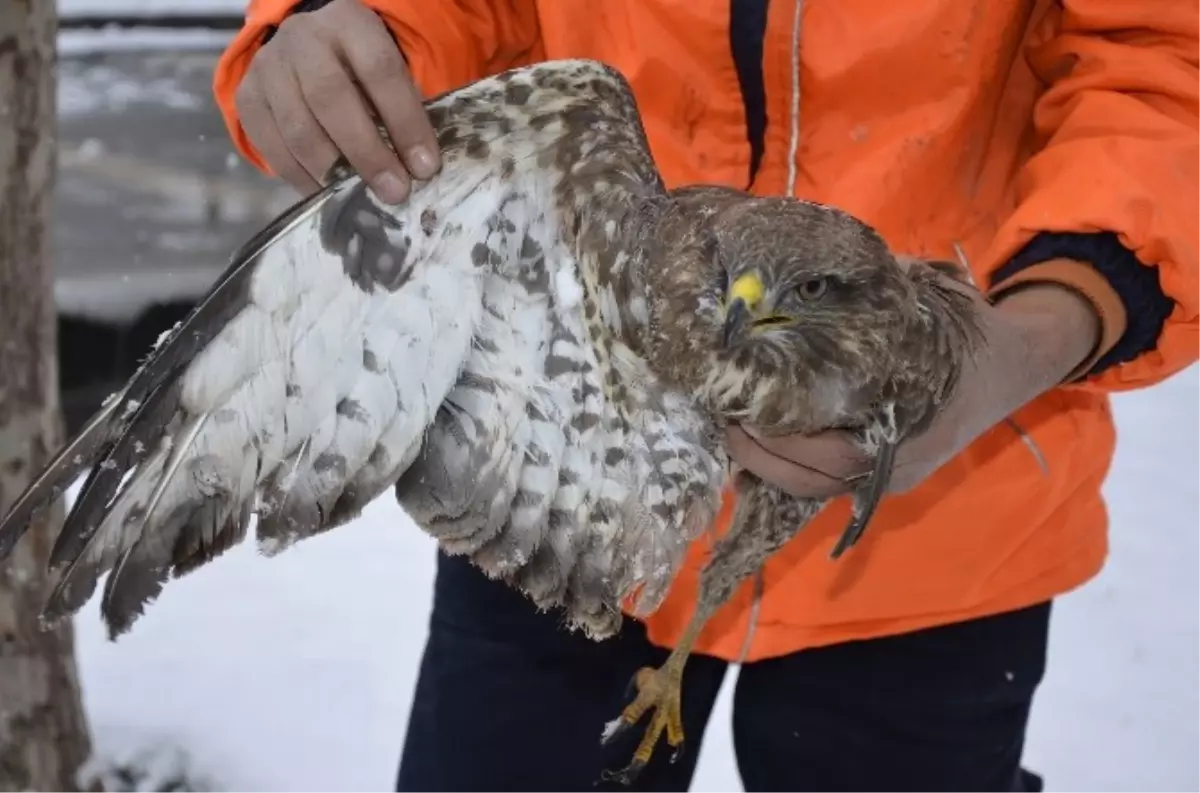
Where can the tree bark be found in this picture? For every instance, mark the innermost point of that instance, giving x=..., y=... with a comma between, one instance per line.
x=43, y=731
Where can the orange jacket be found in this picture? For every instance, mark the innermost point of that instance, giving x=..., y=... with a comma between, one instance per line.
x=952, y=125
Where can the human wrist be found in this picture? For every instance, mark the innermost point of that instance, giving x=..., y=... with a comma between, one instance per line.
x=1083, y=279
x=1055, y=330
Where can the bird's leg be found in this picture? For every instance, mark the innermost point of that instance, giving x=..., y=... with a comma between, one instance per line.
x=763, y=520
x=659, y=689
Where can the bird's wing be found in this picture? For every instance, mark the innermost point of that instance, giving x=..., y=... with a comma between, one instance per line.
x=588, y=475
x=306, y=381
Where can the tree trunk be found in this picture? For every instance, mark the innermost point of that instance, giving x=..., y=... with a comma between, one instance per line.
x=43, y=731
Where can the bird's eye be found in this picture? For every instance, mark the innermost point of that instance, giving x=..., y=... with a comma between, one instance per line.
x=813, y=289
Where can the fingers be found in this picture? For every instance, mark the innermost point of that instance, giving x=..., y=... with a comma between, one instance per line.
x=259, y=123
x=333, y=100
x=314, y=91
x=298, y=127
x=828, y=463
x=385, y=79
x=832, y=451
x=813, y=476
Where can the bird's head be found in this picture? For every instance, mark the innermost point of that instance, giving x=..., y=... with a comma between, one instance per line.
x=812, y=303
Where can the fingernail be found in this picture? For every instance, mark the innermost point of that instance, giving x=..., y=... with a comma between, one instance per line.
x=422, y=162
x=390, y=188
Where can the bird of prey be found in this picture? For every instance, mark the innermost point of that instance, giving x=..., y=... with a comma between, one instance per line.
x=538, y=351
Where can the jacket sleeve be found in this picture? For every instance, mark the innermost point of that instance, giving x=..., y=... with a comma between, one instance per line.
x=1107, y=204
x=447, y=43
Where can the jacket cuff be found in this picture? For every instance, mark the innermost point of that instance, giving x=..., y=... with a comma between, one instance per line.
x=1126, y=294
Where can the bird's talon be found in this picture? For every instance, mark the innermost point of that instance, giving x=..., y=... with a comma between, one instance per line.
x=626, y=776
x=657, y=691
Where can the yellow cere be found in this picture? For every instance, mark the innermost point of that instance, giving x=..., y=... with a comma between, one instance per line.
x=748, y=287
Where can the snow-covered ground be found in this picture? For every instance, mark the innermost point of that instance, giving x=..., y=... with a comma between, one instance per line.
x=295, y=673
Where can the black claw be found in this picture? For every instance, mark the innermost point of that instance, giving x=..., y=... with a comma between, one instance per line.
x=849, y=538
x=679, y=752
x=626, y=776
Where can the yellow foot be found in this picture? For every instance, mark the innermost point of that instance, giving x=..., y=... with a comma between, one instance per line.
x=658, y=689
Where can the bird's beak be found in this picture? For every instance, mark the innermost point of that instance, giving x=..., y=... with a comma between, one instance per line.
x=737, y=317
x=744, y=297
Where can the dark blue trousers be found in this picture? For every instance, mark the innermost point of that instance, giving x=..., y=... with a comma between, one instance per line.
x=507, y=699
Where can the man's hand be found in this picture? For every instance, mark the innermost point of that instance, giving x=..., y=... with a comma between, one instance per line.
x=310, y=93
x=1033, y=338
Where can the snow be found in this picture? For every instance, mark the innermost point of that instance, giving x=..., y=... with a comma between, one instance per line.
x=73, y=8
x=75, y=43
x=295, y=673
x=80, y=42
x=98, y=87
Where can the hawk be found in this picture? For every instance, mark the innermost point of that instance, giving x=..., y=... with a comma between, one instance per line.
x=537, y=351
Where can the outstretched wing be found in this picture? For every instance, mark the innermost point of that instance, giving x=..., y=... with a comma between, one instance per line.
x=306, y=381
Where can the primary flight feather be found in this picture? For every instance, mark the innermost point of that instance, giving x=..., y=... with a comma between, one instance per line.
x=538, y=350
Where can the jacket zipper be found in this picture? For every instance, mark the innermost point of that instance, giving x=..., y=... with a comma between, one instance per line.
x=793, y=148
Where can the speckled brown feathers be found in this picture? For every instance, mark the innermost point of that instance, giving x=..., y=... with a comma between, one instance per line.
x=536, y=351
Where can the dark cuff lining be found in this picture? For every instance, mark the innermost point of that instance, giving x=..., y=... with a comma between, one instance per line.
x=1146, y=305
x=298, y=8
x=309, y=5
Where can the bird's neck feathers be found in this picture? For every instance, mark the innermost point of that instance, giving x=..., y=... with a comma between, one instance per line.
x=656, y=280
x=683, y=278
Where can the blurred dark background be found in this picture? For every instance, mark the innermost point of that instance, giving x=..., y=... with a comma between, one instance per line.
x=151, y=198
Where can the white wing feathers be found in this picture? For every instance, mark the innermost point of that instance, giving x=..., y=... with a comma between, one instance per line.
x=441, y=346
x=307, y=394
